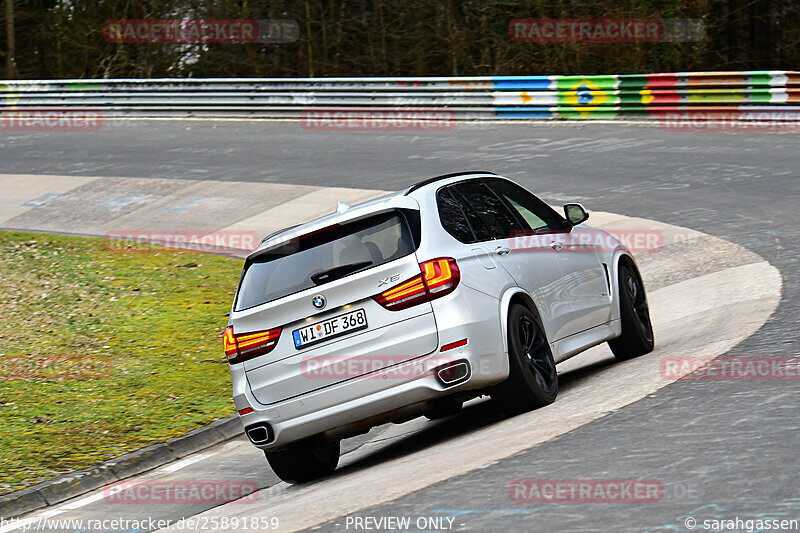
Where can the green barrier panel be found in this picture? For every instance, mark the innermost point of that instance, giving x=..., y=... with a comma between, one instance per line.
x=592, y=83
x=82, y=87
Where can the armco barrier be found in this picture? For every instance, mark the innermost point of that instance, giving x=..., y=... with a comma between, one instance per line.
x=643, y=96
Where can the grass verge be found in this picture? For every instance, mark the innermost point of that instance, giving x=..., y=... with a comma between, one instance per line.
x=105, y=351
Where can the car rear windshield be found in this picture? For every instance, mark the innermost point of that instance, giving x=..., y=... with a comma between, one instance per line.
x=323, y=256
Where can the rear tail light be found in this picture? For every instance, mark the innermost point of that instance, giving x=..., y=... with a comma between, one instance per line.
x=240, y=348
x=439, y=277
x=406, y=294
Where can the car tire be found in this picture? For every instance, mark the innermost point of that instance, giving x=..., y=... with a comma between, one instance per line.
x=304, y=461
x=637, y=331
x=532, y=379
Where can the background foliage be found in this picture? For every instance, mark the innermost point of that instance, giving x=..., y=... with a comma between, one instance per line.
x=64, y=38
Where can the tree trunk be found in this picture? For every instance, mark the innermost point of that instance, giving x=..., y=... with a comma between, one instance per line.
x=11, y=64
x=310, y=47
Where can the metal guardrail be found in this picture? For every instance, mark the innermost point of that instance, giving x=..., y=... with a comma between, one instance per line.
x=644, y=96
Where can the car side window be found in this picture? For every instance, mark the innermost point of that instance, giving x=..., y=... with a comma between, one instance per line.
x=479, y=229
x=537, y=214
x=454, y=221
x=489, y=210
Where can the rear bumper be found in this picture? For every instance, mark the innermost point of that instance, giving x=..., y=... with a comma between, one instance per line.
x=298, y=418
x=373, y=399
x=396, y=392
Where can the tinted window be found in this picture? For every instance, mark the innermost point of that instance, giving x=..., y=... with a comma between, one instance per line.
x=479, y=229
x=452, y=216
x=323, y=256
x=489, y=208
x=532, y=210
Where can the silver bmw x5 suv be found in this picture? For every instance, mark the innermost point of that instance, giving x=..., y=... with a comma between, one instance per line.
x=462, y=285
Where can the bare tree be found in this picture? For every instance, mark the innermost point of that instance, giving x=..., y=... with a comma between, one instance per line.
x=11, y=64
x=65, y=38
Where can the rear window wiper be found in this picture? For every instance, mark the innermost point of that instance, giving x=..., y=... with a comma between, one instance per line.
x=338, y=272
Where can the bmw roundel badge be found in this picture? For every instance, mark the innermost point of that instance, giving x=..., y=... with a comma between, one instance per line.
x=319, y=301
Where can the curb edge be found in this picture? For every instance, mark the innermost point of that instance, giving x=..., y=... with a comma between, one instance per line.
x=74, y=484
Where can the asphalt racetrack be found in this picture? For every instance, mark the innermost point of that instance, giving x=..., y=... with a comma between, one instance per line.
x=721, y=449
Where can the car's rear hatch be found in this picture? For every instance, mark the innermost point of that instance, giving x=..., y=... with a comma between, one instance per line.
x=318, y=288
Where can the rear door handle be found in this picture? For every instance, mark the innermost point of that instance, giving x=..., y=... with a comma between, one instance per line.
x=502, y=250
x=555, y=245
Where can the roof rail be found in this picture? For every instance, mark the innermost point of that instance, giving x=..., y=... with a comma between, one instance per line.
x=443, y=177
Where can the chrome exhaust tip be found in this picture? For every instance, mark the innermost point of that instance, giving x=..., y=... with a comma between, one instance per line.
x=453, y=373
x=259, y=434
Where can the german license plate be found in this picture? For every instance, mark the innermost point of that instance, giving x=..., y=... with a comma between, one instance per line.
x=330, y=328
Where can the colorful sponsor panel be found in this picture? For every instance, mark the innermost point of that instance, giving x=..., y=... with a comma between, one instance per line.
x=401, y=103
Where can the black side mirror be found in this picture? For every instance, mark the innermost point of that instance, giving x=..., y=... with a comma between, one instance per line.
x=576, y=214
